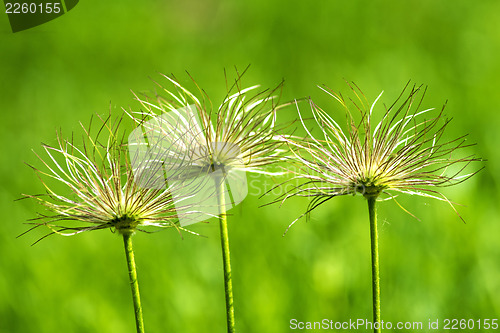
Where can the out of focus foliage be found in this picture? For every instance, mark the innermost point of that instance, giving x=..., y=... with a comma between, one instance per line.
x=86, y=61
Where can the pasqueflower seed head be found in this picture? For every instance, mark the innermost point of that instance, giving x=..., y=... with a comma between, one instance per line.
x=404, y=152
x=184, y=134
x=101, y=192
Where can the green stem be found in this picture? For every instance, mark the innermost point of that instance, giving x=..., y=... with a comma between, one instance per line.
x=375, y=263
x=228, y=283
x=132, y=273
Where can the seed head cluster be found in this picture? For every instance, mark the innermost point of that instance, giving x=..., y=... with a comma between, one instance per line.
x=238, y=134
x=404, y=152
x=102, y=193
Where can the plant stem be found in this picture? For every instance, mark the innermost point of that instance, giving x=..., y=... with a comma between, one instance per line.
x=228, y=283
x=375, y=263
x=132, y=273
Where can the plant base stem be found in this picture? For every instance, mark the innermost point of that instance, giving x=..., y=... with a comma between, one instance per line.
x=132, y=273
x=375, y=262
x=224, y=236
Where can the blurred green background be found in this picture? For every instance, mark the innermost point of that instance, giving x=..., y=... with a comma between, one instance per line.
x=58, y=74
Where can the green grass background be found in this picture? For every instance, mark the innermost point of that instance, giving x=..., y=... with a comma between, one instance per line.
x=58, y=74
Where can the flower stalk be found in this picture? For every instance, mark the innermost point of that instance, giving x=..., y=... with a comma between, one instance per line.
x=134, y=284
x=224, y=237
x=372, y=211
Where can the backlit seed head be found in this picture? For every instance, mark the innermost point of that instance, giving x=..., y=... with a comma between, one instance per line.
x=183, y=133
x=404, y=152
x=101, y=192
